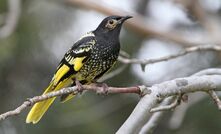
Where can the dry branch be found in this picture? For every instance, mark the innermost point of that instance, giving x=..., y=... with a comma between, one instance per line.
x=179, y=114
x=173, y=56
x=215, y=98
x=167, y=107
x=141, y=114
x=69, y=90
x=177, y=117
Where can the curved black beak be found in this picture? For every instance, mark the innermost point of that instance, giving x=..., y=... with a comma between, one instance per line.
x=124, y=18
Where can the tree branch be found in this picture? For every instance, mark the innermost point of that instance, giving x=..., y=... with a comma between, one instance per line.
x=215, y=98
x=177, y=117
x=173, y=56
x=179, y=114
x=69, y=90
x=167, y=107
x=141, y=114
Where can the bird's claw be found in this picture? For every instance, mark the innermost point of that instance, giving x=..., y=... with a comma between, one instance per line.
x=79, y=86
x=103, y=88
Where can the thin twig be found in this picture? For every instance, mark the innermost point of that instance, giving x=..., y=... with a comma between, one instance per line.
x=215, y=98
x=173, y=56
x=69, y=90
x=167, y=107
x=178, y=115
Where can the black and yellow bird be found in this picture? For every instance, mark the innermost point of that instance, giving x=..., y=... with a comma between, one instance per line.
x=86, y=61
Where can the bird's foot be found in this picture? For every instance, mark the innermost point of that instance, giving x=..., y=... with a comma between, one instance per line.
x=103, y=88
x=80, y=88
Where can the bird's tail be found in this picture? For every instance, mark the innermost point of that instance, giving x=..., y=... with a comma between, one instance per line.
x=39, y=109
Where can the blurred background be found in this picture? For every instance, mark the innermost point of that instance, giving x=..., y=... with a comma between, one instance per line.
x=35, y=34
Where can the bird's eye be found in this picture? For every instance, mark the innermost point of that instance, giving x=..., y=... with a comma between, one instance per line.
x=111, y=22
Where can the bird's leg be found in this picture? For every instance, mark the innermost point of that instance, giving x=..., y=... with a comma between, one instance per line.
x=103, y=90
x=80, y=88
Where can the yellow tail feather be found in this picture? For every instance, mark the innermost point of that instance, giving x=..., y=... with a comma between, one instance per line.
x=39, y=109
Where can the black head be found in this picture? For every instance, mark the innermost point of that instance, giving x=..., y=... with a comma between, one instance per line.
x=111, y=26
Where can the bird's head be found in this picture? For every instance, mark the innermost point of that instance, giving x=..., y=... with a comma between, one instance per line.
x=111, y=25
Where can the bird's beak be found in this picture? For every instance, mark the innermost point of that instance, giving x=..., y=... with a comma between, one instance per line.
x=124, y=18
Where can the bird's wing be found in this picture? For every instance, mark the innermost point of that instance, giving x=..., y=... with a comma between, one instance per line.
x=74, y=59
x=72, y=62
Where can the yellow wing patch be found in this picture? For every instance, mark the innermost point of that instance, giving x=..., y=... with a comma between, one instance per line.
x=60, y=73
x=77, y=62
